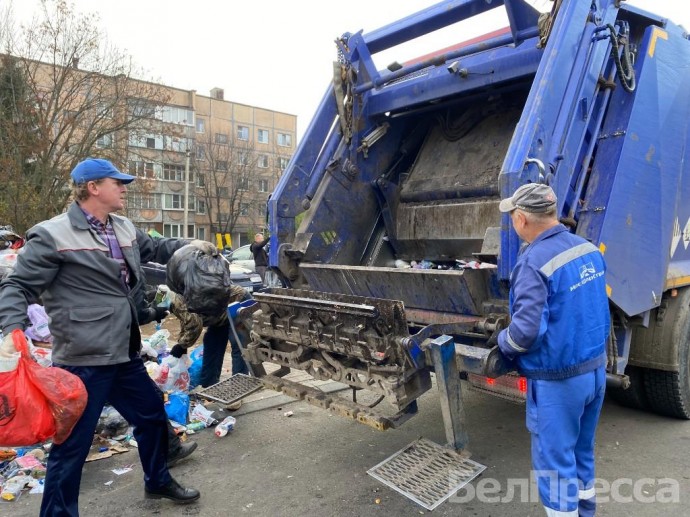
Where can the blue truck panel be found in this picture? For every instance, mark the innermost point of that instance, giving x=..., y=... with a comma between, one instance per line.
x=638, y=191
x=385, y=229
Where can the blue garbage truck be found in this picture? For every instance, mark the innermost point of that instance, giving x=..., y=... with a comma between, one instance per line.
x=392, y=257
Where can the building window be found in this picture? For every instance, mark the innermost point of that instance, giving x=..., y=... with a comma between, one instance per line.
x=104, y=110
x=262, y=162
x=242, y=133
x=173, y=230
x=141, y=201
x=201, y=207
x=223, y=191
x=221, y=165
x=105, y=141
x=173, y=172
x=177, y=144
x=262, y=136
x=176, y=115
x=142, y=169
x=139, y=108
x=200, y=180
x=243, y=184
x=282, y=163
x=176, y=230
x=176, y=202
x=173, y=201
x=200, y=152
x=284, y=140
x=244, y=209
x=201, y=233
x=149, y=140
x=263, y=185
x=221, y=138
x=244, y=158
x=200, y=125
x=70, y=116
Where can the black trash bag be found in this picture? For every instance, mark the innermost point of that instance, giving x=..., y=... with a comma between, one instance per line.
x=202, y=280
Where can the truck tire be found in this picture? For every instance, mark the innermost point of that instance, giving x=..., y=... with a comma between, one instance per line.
x=635, y=396
x=668, y=392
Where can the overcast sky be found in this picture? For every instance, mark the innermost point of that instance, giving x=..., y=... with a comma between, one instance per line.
x=270, y=53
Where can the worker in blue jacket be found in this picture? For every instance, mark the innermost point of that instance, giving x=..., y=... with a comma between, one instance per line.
x=556, y=338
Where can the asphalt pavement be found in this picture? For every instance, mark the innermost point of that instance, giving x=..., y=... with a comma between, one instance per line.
x=315, y=463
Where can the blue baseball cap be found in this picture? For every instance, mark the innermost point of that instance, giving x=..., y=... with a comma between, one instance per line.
x=95, y=169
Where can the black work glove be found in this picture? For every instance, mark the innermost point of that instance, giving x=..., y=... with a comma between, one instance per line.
x=160, y=313
x=496, y=364
x=178, y=351
x=152, y=314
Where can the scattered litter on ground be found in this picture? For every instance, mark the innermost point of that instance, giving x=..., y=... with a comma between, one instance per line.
x=123, y=470
x=23, y=469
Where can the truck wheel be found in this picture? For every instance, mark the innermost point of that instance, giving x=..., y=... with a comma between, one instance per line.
x=635, y=396
x=669, y=392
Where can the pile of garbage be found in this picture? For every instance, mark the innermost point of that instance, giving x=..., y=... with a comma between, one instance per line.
x=176, y=378
x=21, y=469
x=456, y=264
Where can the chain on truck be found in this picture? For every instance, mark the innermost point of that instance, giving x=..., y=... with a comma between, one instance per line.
x=409, y=163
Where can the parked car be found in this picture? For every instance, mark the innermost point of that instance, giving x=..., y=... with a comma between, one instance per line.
x=251, y=281
x=242, y=256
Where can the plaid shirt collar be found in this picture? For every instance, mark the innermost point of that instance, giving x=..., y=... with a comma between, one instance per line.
x=107, y=233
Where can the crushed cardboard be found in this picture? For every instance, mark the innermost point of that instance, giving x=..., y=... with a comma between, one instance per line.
x=112, y=450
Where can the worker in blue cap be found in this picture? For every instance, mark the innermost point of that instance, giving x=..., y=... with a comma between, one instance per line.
x=85, y=265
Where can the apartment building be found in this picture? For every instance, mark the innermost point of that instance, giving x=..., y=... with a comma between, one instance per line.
x=205, y=165
x=223, y=158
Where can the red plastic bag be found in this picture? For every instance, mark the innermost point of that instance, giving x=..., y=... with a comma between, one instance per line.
x=37, y=403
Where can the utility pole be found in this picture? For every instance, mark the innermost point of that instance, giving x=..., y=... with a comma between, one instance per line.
x=185, y=231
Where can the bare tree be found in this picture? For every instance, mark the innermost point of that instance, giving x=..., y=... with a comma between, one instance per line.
x=226, y=169
x=81, y=99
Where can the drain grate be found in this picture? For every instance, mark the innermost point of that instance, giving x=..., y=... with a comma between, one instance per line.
x=231, y=389
x=426, y=472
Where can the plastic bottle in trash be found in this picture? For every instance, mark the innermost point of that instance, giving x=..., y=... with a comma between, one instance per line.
x=225, y=426
x=14, y=486
x=162, y=298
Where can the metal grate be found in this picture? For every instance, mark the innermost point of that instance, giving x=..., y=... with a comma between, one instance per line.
x=231, y=389
x=426, y=472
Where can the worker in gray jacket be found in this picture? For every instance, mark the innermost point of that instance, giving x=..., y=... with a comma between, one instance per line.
x=85, y=265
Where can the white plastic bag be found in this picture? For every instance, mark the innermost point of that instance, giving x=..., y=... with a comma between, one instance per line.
x=158, y=341
x=178, y=373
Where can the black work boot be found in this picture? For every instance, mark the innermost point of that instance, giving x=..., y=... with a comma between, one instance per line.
x=184, y=450
x=173, y=491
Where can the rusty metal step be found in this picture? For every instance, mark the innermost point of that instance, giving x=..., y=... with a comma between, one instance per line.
x=337, y=405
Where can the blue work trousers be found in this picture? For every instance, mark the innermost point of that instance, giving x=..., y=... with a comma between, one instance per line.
x=128, y=388
x=215, y=343
x=562, y=416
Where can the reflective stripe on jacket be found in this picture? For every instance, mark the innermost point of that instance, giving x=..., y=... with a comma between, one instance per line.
x=559, y=308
